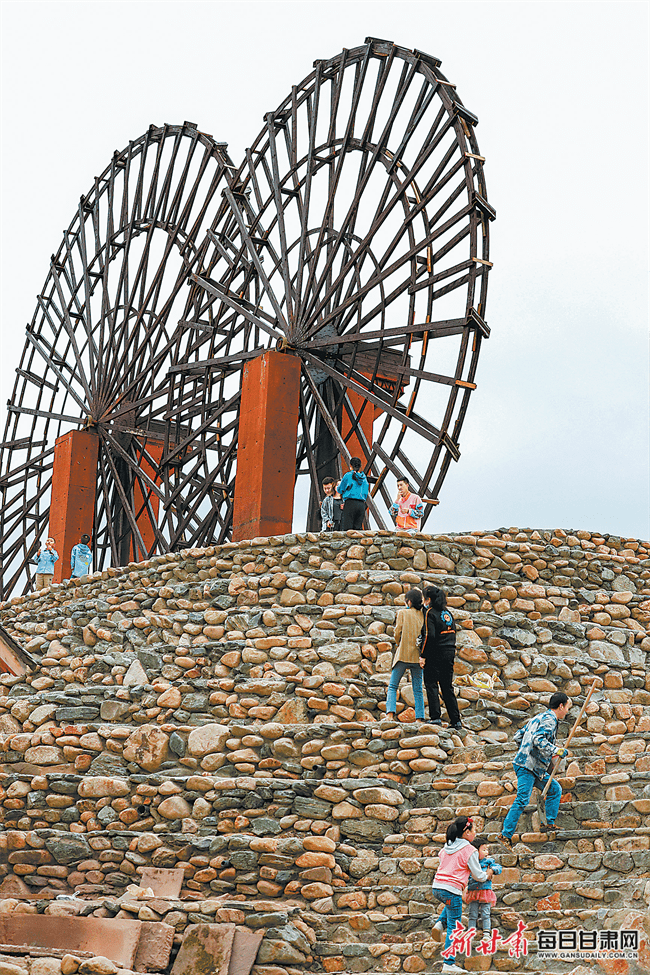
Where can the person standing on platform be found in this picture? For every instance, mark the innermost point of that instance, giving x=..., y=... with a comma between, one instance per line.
x=407, y=629
x=354, y=491
x=327, y=505
x=80, y=559
x=408, y=509
x=439, y=651
x=45, y=565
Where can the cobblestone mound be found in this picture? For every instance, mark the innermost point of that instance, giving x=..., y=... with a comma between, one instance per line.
x=222, y=712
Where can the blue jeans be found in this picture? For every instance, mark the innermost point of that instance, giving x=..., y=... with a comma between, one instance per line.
x=451, y=912
x=416, y=679
x=486, y=915
x=525, y=782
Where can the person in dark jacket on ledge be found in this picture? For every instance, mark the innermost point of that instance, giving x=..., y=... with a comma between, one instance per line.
x=438, y=651
x=354, y=491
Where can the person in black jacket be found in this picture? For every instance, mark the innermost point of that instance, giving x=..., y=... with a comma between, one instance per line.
x=439, y=650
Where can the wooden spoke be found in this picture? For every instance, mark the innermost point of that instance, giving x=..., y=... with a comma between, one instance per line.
x=376, y=400
x=435, y=329
x=237, y=305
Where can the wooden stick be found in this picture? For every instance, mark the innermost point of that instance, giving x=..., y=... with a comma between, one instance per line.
x=572, y=733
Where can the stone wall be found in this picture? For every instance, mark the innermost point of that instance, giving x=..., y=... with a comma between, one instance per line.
x=222, y=711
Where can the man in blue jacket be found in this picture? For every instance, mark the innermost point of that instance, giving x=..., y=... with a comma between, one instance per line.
x=354, y=491
x=537, y=750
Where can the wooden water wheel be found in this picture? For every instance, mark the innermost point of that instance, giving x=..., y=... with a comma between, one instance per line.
x=346, y=257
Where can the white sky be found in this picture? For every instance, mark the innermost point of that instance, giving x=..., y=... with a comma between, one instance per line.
x=556, y=434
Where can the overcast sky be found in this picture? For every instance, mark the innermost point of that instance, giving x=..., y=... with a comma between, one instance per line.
x=556, y=434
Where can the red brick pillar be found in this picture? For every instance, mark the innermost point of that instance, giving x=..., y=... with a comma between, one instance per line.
x=266, y=451
x=74, y=482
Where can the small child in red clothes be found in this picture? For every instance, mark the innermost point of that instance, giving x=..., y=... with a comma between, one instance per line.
x=480, y=895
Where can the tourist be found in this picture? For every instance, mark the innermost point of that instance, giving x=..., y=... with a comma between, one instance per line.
x=331, y=509
x=327, y=505
x=439, y=651
x=407, y=630
x=45, y=564
x=354, y=491
x=479, y=892
x=537, y=751
x=408, y=509
x=80, y=558
x=458, y=860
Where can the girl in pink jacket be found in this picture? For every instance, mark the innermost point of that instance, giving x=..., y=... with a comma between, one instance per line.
x=458, y=859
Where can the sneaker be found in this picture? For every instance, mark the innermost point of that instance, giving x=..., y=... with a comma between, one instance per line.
x=548, y=829
x=505, y=840
x=458, y=727
x=436, y=721
x=451, y=969
x=438, y=932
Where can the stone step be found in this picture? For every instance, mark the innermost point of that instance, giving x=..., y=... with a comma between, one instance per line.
x=345, y=596
x=305, y=606
x=361, y=941
x=471, y=782
x=465, y=776
x=425, y=956
x=353, y=605
x=47, y=862
x=547, y=892
x=424, y=758
x=39, y=730
x=335, y=702
x=548, y=557
x=395, y=960
x=296, y=696
x=416, y=917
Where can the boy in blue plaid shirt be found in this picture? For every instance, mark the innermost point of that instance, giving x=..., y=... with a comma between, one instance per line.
x=537, y=750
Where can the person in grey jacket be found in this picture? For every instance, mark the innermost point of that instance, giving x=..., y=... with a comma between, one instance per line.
x=331, y=512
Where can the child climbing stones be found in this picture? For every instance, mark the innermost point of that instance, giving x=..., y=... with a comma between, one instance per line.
x=480, y=895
